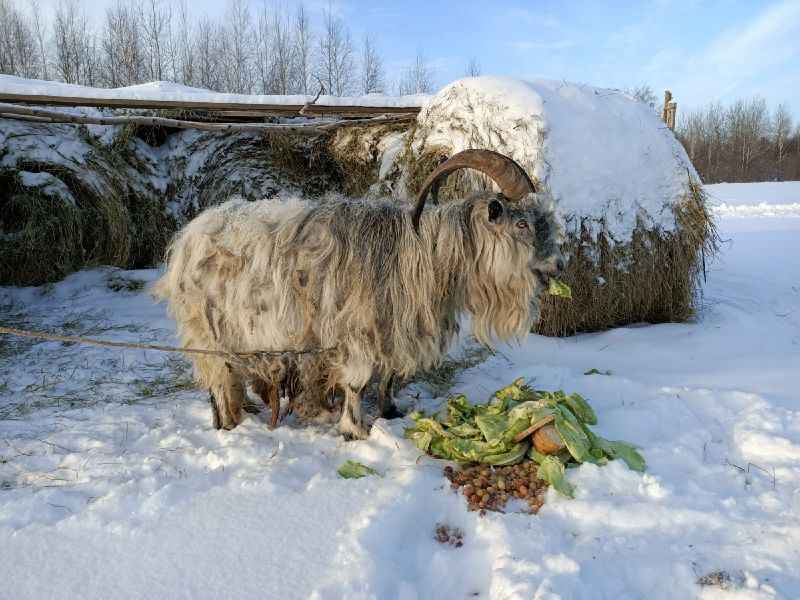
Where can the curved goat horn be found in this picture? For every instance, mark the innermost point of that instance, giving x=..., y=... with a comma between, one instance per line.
x=511, y=178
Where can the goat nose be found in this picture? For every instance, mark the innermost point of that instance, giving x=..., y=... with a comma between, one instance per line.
x=559, y=266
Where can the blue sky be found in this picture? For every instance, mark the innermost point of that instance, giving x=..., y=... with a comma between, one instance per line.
x=700, y=50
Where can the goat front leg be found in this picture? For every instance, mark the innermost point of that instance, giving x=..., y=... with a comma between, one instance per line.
x=350, y=425
x=386, y=403
x=227, y=395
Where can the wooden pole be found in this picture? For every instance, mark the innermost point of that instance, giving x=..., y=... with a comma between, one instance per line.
x=44, y=115
x=308, y=108
x=669, y=109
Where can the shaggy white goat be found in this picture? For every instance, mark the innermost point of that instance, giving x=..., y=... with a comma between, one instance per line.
x=381, y=285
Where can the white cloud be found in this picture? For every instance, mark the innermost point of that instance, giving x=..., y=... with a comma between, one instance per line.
x=735, y=59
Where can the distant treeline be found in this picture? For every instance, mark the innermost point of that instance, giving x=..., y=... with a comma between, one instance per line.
x=270, y=50
x=741, y=141
x=736, y=142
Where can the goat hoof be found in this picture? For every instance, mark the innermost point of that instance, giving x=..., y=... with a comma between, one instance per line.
x=392, y=413
x=252, y=408
x=356, y=432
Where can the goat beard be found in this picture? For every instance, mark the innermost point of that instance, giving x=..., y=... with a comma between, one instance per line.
x=502, y=294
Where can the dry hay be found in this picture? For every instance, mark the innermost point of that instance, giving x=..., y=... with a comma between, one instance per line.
x=652, y=279
x=97, y=200
x=41, y=234
x=53, y=229
x=69, y=200
x=213, y=167
x=357, y=153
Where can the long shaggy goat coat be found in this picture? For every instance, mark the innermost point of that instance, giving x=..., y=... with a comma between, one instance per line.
x=354, y=276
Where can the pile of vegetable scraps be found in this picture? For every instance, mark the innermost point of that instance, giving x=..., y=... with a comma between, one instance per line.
x=519, y=424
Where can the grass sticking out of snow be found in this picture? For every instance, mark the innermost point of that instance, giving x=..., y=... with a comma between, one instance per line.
x=117, y=282
x=66, y=376
x=441, y=379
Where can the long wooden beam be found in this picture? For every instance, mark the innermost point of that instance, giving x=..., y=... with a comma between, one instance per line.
x=48, y=115
x=250, y=109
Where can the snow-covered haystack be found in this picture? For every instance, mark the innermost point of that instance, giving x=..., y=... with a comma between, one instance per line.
x=634, y=212
x=203, y=169
x=67, y=199
x=362, y=153
x=636, y=221
x=77, y=196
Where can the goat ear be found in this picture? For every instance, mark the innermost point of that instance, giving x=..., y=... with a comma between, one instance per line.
x=495, y=210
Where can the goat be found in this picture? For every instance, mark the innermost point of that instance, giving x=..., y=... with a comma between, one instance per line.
x=381, y=285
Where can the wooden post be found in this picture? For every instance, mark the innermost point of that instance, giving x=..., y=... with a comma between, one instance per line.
x=669, y=110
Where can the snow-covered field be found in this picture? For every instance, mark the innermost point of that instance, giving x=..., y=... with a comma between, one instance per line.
x=114, y=484
x=745, y=200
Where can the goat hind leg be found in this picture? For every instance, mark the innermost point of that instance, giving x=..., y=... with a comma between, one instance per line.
x=216, y=420
x=271, y=398
x=274, y=406
x=386, y=403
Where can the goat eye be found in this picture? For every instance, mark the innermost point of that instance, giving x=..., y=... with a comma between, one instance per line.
x=522, y=224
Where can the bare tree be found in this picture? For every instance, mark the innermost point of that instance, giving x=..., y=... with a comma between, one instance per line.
x=705, y=136
x=690, y=130
x=18, y=54
x=301, y=49
x=781, y=130
x=156, y=21
x=280, y=75
x=748, y=122
x=209, y=55
x=473, y=68
x=718, y=137
x=184, y=48
x=123, y=58
x=418, y=78
x=372, y=76
x=238, y=48
x=75, y=46
x=335, y=60
x=43, y=49
x=263, y=52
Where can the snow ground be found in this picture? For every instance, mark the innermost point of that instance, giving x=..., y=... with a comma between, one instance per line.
x=115, y=484
x=759, y=200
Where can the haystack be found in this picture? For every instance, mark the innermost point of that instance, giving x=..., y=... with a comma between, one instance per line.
x=73, y=197
x=65, y=203
x=637, y=227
